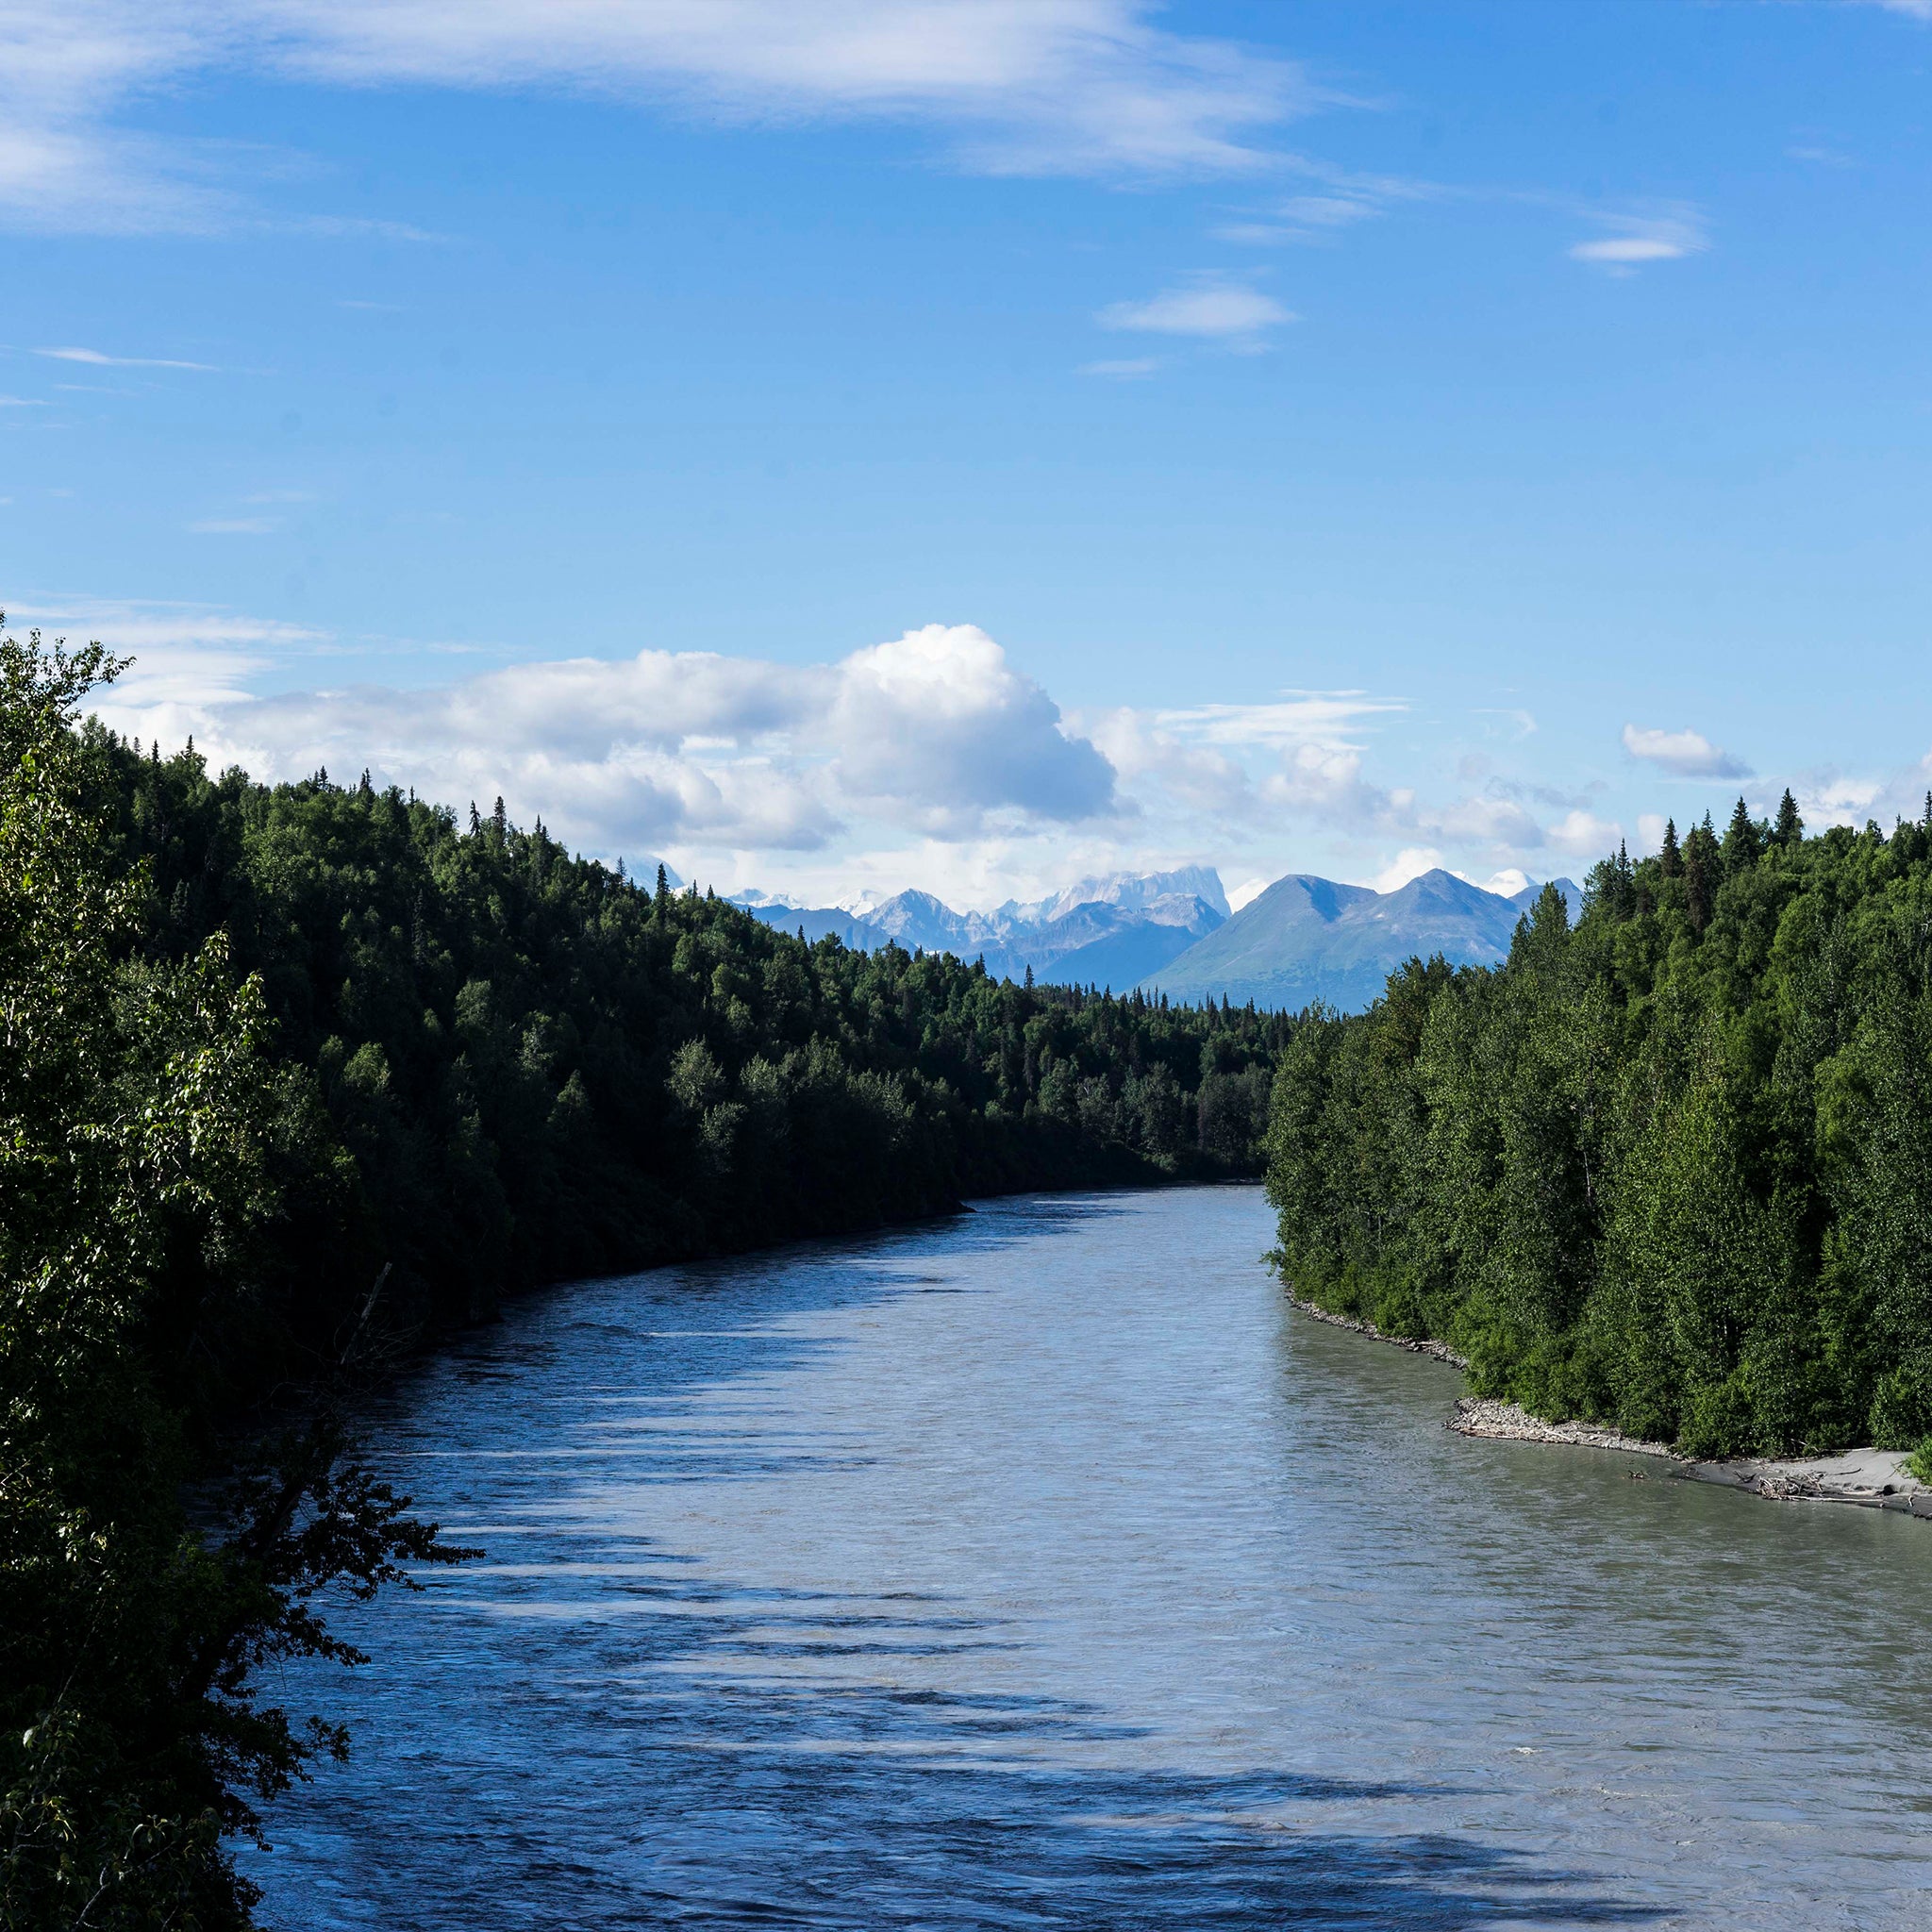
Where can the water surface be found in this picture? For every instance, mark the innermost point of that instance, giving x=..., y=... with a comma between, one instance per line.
x=1041, y=1568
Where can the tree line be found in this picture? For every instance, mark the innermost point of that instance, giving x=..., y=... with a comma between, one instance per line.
x=1669, y=1169
x=296, y=1075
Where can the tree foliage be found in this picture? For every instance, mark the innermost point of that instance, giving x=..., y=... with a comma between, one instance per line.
x=265, y=1047
x=504, y=1065
x=1672, y=1169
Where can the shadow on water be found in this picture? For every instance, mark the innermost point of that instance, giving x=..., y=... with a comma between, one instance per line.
x=592, y=1728
x=628, y=1774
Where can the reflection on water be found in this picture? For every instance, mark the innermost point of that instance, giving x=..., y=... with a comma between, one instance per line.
x=1042, y=1569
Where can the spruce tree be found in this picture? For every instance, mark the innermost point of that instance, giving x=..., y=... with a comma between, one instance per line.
x=1740, y=839
x=1670, y=862
x=1790, y=828
x=1699, y=851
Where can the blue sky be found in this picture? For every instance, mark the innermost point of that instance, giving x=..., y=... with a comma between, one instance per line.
x=899, y=441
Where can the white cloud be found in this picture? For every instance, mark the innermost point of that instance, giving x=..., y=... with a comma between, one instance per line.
x=1686, y=753
x=1583, y=835
x=936, y=722
x=1485, y=819
x=23, y=403
x=1636, y=240
x=1326, y=779
x=1823, y=156
x=1247, y=892
x=1235, y=762
x=929, y=760
x=1211, y=307
x=1410, y=863
x=1346, y=199
x=190, y=660
x=1835, y=798
x=1047, y=87
x=1126, y=369
x=95, y=359
x=1329, y=210
x=932, y=732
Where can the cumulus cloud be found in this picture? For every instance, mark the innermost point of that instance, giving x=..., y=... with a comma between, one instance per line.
x=1048, y=87
x=1685, y=753
x=1584, y=834
x=933, y=731
x=936, y=721
x=1211, y=308
x=1410, y=863
x=929, y=759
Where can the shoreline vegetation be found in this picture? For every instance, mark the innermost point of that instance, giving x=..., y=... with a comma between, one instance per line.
x=298, y=1078
x=1870, y=1479
x=1665, y=1172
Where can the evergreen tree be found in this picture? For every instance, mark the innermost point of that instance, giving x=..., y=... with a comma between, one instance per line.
x=1789, y=828
x=1741, y=839
x=1584, y=1170
x=1670, y=862
x=1700, y=873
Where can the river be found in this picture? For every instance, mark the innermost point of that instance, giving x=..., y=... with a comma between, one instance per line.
x=1042, y=1568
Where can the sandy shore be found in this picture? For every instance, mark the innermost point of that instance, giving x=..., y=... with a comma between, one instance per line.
x=1871, y=1478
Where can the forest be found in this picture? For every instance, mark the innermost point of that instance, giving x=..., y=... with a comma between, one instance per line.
x=296, y=1078
x=1670, y=1169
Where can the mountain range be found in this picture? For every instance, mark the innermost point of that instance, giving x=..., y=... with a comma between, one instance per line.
x=1309, y=938
x=1111, y=930
x=1304, y=939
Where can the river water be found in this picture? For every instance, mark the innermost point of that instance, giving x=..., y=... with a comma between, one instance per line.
x=1041, y=1568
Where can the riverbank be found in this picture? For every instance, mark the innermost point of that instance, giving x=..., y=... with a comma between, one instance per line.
x=1870, y=1479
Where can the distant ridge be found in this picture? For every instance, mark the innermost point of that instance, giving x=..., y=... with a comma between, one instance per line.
x=1308, y=938
x=1109, y=930
x=1304, y=939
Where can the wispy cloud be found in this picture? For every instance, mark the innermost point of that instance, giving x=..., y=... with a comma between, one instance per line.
x=1637, y=240
x=1042, y=87
x=1211, y=309
x=1340, y=199
x=235, y=526
x=1819, y=155
x=24, y=403
x=96, y=359
x=1685, y=753
x=1122, y=369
